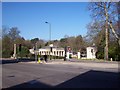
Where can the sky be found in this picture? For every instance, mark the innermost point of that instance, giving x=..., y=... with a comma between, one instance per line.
x=66, y=18
x=0, y=10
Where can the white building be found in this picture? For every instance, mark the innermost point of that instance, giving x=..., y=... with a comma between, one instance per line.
x=91, y=52
x=46, y=51
x=55, y=51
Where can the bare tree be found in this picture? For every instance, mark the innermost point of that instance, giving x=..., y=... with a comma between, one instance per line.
x=105, y=12
x=14, y=33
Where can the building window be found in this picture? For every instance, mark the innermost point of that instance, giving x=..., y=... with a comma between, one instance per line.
x=91, y=50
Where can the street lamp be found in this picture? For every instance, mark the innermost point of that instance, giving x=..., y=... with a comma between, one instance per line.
x=49, y=37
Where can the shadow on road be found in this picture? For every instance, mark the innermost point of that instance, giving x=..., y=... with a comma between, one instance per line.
x=90, y=79
x=16, y=61
x=93, y=79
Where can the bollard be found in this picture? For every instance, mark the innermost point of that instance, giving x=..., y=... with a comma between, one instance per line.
x=111, y=59
x=39, y=61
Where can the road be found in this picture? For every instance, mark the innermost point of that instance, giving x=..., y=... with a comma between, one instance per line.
x=60, y=75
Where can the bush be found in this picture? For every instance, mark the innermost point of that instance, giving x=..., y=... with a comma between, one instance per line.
x=57, y=57
x=100, y=55
x=114, y=52
x=32, y=56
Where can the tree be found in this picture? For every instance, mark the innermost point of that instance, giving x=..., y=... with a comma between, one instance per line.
x=24, y=51
x=5, y=31
x=104, y=12
x=34, y=40
x=63, y=42
x=19, y=40
x=7, y=47
x=79, y=43
x=28, y=44
x=56, y=43
x=14, y=33
x=96, y=35
x=40, y=43
x=9, y=38
x=71, y=43
x=75, y=43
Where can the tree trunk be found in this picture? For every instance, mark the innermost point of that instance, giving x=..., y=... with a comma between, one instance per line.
x=107, y=34
x=106, y=47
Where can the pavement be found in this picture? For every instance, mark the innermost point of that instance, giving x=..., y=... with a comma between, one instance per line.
x=60, y=74
x=86, y=64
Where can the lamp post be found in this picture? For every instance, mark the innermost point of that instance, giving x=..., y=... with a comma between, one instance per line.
x=49, y=37
x=65, y=53
x=49, y=31
x=35, y=50
x=51, y=46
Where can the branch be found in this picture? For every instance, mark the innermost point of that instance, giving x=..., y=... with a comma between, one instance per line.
x=109, y=5
x=99, y=4
x=113, y=30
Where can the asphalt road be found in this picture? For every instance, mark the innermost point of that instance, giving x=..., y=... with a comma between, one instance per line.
x=60, y=75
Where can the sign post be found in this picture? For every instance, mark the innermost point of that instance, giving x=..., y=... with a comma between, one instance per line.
x=14, y=55
x=78, y=55
x=51, y=47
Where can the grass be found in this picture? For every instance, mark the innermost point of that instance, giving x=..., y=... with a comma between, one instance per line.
x=100, y=60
